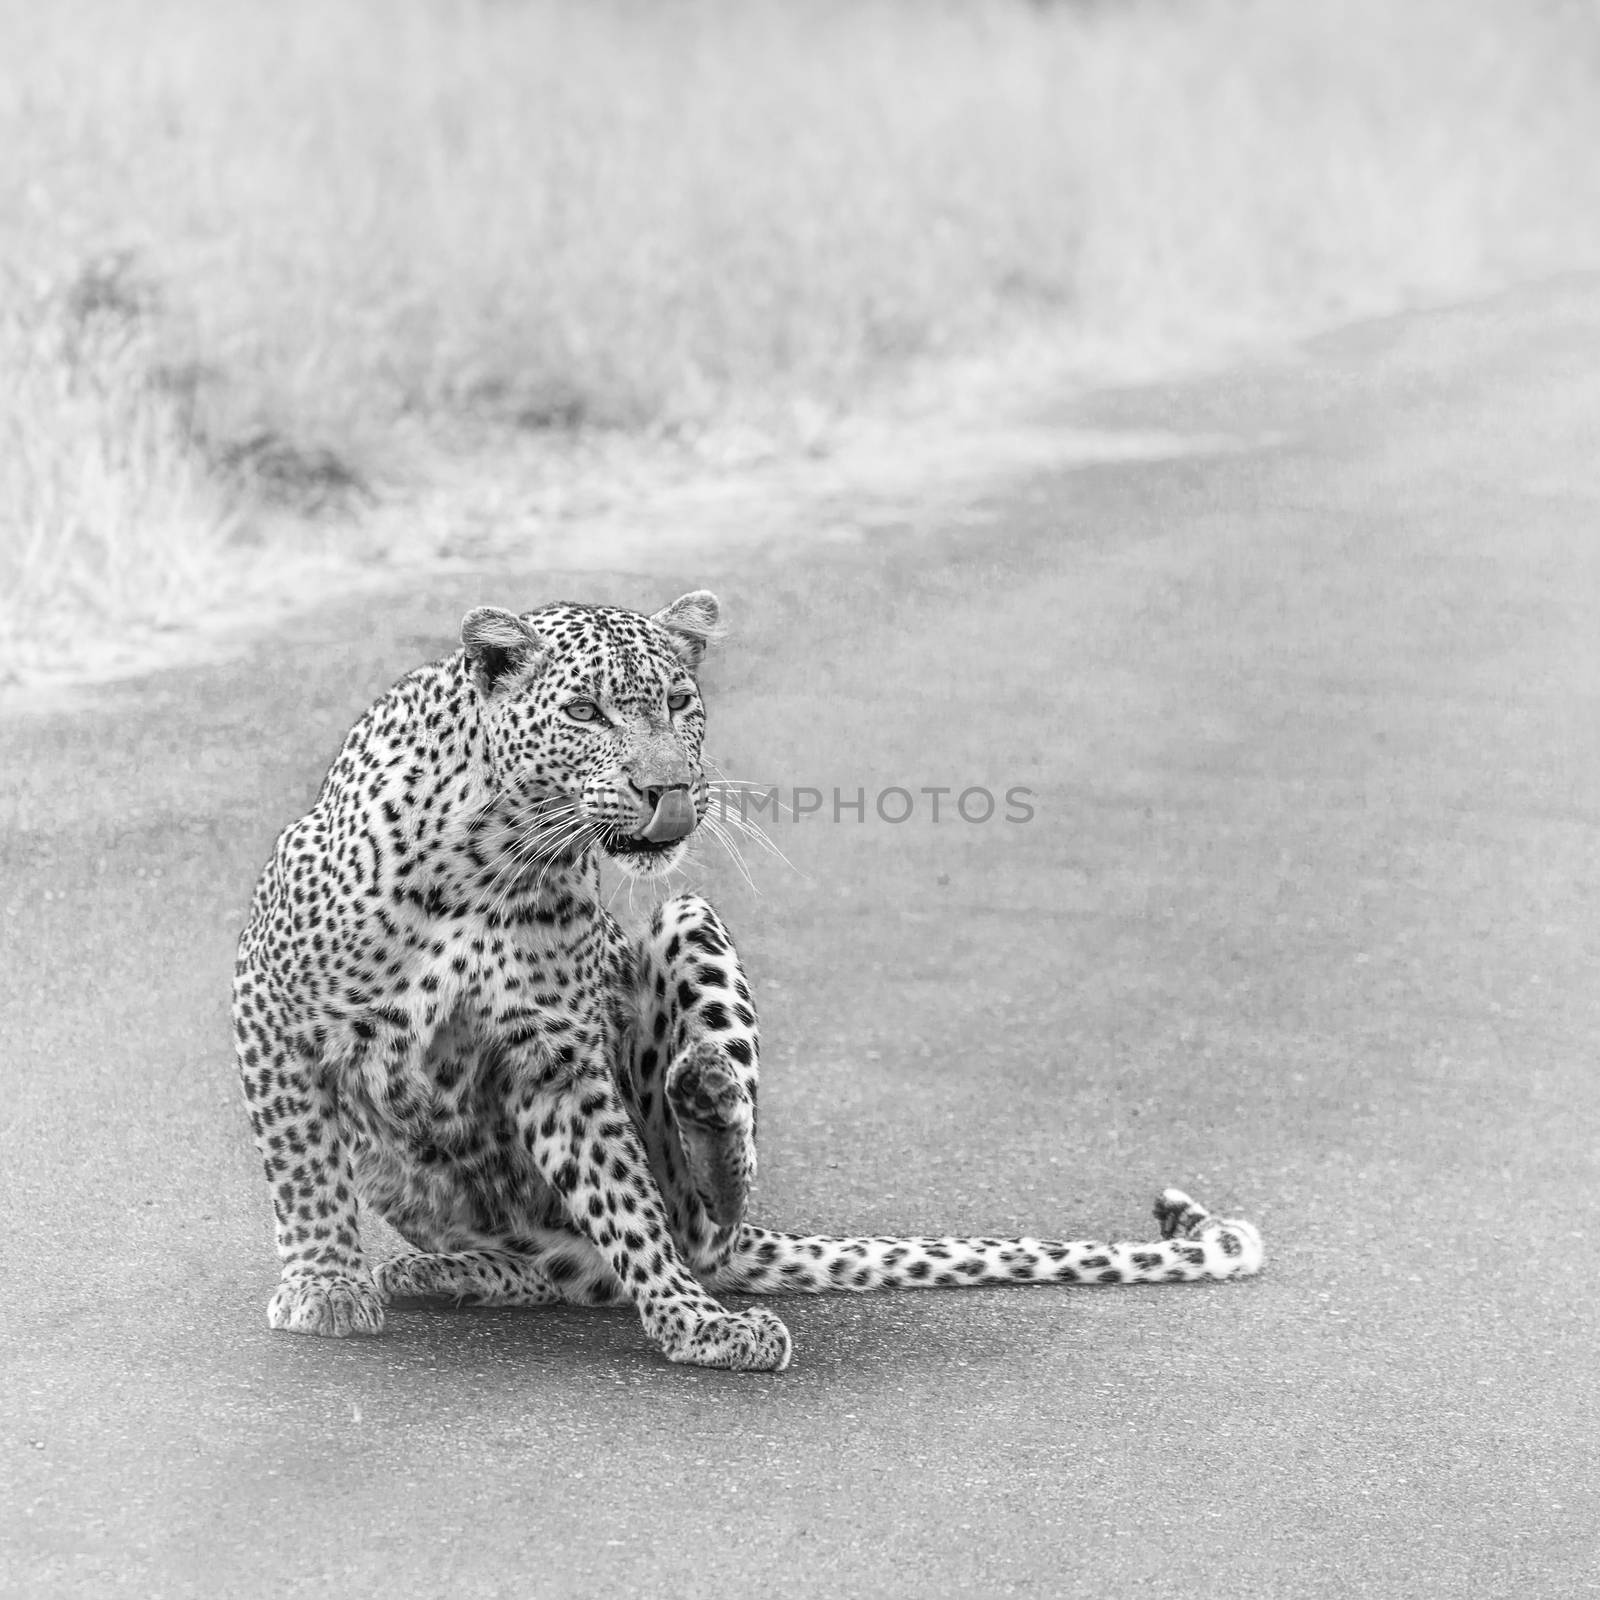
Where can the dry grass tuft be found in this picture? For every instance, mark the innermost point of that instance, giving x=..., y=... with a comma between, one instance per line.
x=272, y=254
x=105, y=512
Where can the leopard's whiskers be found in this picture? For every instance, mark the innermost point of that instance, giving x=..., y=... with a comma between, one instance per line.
x=548, y=835
x=736, y=821
x=582, y=840
x=757, y=835
x=725, y=839
x=741, y=821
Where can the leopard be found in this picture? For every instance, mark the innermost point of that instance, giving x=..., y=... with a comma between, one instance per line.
x=436, y=1018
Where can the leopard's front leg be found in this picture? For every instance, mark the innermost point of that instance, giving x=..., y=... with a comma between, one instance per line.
x=689, y=1068
x=324, y=1287
x=579, y=1135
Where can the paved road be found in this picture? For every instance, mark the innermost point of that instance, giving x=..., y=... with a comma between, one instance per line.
x=1308, y=919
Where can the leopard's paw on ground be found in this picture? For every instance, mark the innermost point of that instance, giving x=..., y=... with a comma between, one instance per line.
x=335, y=1308
x=740, y=1341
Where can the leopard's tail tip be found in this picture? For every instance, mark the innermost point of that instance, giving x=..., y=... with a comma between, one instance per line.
x=1240, y=1250
x=1253, y=1251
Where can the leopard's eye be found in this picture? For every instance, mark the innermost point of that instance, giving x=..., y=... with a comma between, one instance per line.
x=681, y=701
x=583, y=711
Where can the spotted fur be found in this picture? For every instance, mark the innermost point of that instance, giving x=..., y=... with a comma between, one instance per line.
x=435, y=1016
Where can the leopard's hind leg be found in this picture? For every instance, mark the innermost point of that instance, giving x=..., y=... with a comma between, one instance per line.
x=1194, y=1244
x=468, y=1277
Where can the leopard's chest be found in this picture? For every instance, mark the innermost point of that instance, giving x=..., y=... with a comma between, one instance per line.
x=486, y=993
x=521, y=985
x=497, y=1015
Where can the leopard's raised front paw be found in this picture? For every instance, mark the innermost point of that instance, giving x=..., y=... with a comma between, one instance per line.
x=332, y=1307
x=742, y=1341
x=706, y=1090
x=716, y=1126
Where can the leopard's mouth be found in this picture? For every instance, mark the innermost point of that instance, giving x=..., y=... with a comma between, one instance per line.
x=658, y=842
x=632, y=851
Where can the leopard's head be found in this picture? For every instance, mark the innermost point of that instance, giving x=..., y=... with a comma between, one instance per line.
x=592, y=725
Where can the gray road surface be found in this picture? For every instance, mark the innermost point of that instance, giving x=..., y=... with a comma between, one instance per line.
x=1307, y=919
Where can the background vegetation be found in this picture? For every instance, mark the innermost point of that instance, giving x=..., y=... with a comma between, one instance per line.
x=264, y=263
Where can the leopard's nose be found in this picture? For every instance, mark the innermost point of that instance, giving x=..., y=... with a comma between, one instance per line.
x=671, y=812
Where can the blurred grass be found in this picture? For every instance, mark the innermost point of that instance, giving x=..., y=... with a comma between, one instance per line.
x=263, y=254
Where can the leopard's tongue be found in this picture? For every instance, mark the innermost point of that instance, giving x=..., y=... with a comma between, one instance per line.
x=674, y=817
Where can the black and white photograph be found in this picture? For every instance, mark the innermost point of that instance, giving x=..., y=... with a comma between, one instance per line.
x=800, y=797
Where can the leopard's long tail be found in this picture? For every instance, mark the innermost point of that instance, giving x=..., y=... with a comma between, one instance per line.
x=1194, y=1244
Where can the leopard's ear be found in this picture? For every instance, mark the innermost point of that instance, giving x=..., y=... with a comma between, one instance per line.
x=501, y=648
x=690, y=624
